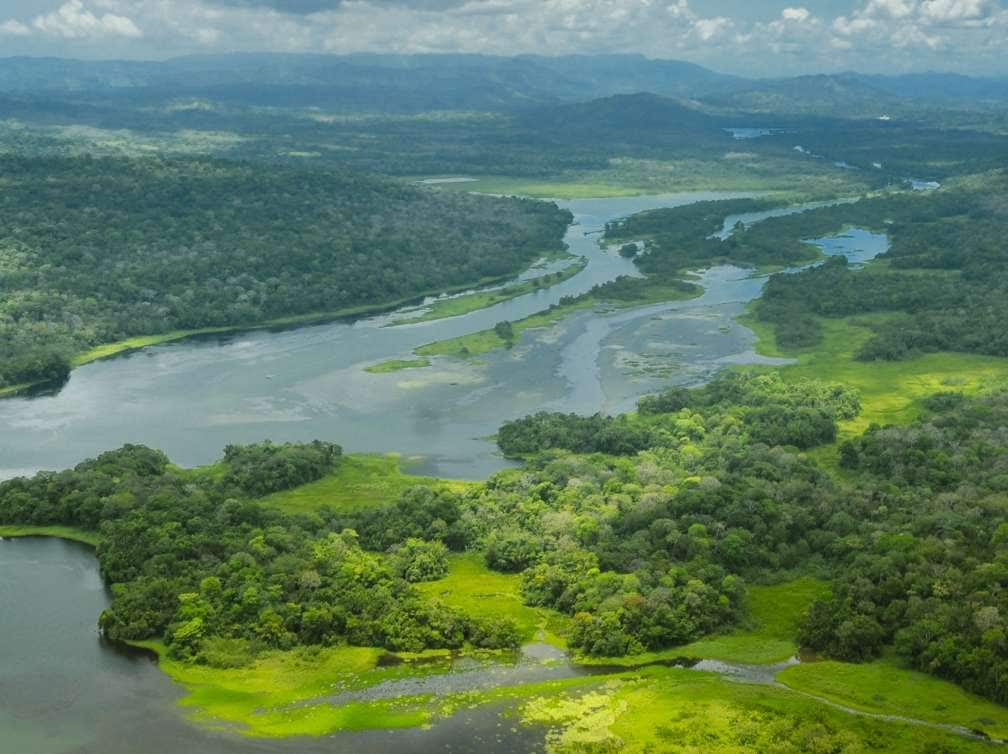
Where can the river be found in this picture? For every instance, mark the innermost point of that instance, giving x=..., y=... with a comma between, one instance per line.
x=193, y=397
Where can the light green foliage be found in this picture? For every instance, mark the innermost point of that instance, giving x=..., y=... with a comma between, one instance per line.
x=361, y=481
x=252, y=699
x=455, y=306
x=661, y=709
x=417, y=560
x=474, y=590
x=886, y=687
x=396, y=365
x=61, y=532
x=890, y=391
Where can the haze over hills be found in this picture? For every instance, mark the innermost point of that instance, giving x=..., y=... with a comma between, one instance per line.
x=410, y=83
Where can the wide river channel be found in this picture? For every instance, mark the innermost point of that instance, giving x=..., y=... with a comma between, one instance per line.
x=65, y=691
x=193, y=397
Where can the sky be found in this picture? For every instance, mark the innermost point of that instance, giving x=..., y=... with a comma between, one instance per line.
x=748, y=37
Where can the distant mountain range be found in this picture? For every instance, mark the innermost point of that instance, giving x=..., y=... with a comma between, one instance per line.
x=414, y=83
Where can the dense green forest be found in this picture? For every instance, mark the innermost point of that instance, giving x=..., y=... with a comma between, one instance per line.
x=645, y=550
x=682, y=238
x=99, y=250
x=941, y=285
x=195, y=561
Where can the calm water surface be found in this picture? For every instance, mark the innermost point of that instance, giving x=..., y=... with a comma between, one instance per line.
x=194, y=397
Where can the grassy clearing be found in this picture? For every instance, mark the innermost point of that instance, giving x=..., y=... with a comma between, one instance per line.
x=885, y=687
x=397, y=365
x=250, y=700
x=475, y=590
x=361, y=481
x=890, y=390
x=668, y=709
x=454, y=307
x=735, y=170
x=775, y=612
x=484, y=341
x=63, y=532
x=547, y=189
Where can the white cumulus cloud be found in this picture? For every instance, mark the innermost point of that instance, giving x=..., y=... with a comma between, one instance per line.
x=73, y=20
x=14, y=28
x=796, y=14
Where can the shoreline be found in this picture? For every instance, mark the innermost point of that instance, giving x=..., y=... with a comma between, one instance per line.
x=138, y=343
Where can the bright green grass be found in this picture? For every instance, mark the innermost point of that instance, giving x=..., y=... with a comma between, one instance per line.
x=775, y=612
x=484, y=341
x=890, y=390
x=360, y=481
x=397, y=365
x=734, y=170
x=63, y=532
x=548, y=189
x=683, y=711
x=249, y=700
x=475, y=590
x=454, y=307
x=885, y=687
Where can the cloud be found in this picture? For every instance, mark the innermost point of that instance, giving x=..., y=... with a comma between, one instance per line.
x=308, y=7
x=888, y=9
x=73, y=21
x=796, y=14
x=14, y=28
x=941, y=11
x=743, y=36
x=709, y=28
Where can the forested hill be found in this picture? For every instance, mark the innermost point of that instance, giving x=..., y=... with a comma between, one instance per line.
x=94, y=251
x=362, y=82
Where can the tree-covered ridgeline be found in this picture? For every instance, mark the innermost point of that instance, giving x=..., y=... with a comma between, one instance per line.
x=96, y=251
x=941, y=285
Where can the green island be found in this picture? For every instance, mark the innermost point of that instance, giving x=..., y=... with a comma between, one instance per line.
x=470, y=302
x=621, y=293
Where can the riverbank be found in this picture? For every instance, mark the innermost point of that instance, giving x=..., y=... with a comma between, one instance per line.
x=481, y=299
x=60, y=532
x=121, y=347
x=321, y=691
x=645, y=292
